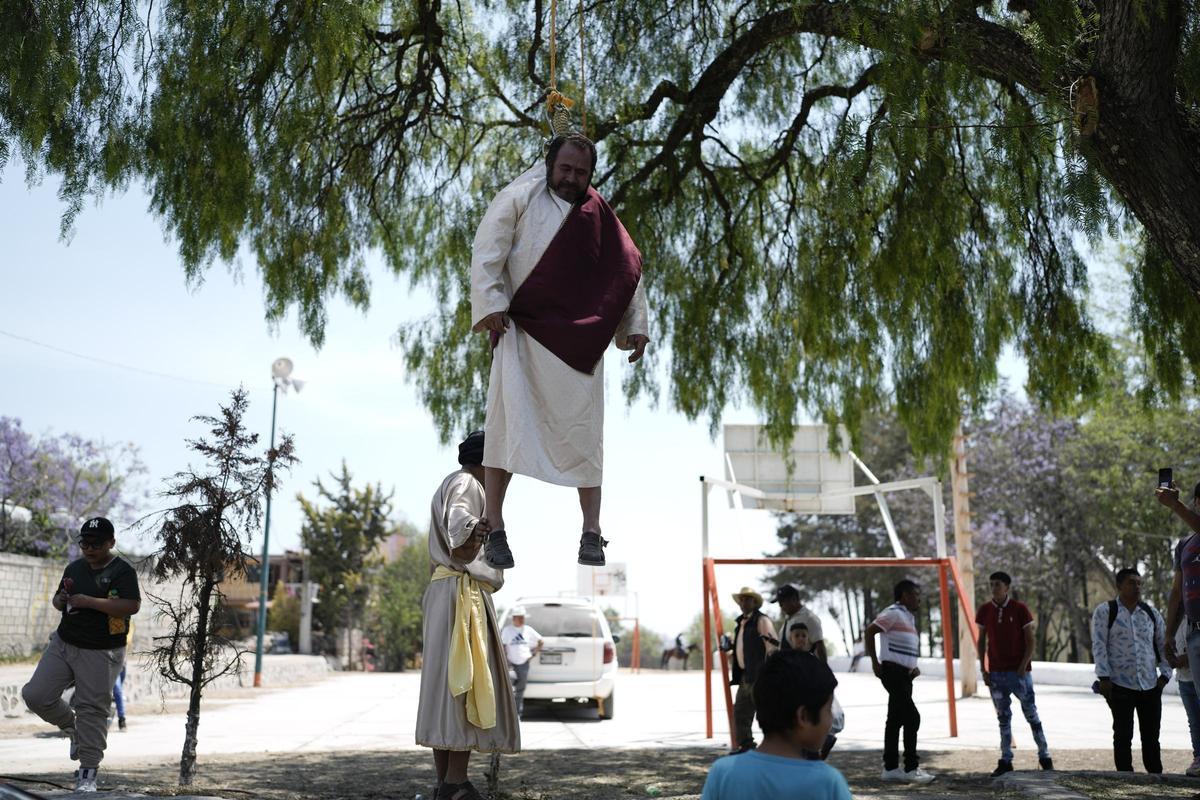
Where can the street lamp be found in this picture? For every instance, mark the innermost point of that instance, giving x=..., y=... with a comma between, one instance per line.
x=281, y=378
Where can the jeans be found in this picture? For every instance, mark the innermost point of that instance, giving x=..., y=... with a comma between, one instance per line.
x=902, y=713
x=1004, y=686
x=522, y=671
x=743, y=714
x=119, y=694
x=1148, y=705
x=1191, y=705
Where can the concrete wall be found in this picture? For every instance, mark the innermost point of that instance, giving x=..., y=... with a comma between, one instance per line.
x=144, y=685
x=26, y=616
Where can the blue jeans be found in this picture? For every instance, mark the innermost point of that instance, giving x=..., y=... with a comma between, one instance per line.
x=1004, y=686
x=119, y=694
x=1191, y=704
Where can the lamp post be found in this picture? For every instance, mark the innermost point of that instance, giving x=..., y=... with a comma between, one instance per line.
x=281, y=378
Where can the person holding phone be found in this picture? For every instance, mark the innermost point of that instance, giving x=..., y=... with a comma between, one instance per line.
x=753, y=640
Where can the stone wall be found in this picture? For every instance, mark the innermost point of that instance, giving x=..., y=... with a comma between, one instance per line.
x=27, y=618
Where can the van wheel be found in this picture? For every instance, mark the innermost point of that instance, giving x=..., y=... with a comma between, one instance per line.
x=604, y=705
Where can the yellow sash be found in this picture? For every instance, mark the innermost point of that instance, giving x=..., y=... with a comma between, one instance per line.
x=468, y=670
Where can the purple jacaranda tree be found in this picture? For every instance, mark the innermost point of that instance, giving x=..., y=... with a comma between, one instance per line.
x=50, y=484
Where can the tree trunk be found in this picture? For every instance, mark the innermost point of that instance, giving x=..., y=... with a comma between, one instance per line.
x=187, y=762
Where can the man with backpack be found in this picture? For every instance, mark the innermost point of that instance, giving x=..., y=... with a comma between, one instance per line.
x=1129, y=648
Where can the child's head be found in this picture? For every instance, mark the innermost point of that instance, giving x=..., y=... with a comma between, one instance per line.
x=798, y=636
x=794, y=697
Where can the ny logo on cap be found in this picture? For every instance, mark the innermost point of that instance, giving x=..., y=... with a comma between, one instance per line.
x=94, y=523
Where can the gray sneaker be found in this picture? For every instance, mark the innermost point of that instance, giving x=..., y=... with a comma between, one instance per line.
x=85, y=779
x=496, y=551
x=591, y=549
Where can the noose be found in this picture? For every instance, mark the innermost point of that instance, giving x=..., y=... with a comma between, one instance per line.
x=558, y=105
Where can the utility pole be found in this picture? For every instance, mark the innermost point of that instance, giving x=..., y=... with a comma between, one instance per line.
x=964, y=549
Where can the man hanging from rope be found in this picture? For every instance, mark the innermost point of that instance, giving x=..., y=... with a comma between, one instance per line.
x=554, y=278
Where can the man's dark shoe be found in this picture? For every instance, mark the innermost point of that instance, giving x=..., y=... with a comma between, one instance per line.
x=1046, y=763
x=1002, y=767
x=496, y=552
x=591, y=549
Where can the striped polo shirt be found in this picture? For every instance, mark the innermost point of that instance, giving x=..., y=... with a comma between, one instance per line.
x=899, y=636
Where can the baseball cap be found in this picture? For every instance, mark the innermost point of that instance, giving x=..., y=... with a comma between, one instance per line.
x=97, y=528
x=518, y=611
x=787, y=590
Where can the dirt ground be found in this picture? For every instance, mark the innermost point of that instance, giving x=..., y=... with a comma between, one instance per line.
x=603, y=775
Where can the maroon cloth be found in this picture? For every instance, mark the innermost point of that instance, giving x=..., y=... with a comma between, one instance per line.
x=577, y=294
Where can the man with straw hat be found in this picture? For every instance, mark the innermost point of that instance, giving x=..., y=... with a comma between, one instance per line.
x=753, y=640
x=466, y=700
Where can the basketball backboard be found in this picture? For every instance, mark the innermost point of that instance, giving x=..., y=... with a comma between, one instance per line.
x=796, y=480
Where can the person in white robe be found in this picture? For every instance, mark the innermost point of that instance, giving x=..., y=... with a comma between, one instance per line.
x=466, y=701
x=545, y=419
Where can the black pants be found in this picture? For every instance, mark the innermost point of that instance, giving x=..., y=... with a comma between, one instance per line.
x=901, y=713
x=1148, y=705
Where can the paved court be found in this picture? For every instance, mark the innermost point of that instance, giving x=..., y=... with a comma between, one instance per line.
x=358, y=711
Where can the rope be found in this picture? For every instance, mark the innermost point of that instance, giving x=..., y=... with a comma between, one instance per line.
x=582, y=76
x=553, y=42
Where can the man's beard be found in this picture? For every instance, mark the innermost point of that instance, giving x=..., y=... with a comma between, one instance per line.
x=573, y=194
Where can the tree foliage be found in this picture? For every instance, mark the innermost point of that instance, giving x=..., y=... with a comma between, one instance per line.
x=342, y=529
x=59, y=481
x=843, y=205
x=284, y=613
x=394, y=616
x=202, y=540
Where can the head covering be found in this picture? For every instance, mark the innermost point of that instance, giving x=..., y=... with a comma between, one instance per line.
x=518, y=611
x=748, y=592
x=787, y=590
x=470, y=452
x=97, y=528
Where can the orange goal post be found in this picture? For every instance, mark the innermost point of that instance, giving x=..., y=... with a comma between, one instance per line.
x=813, y=479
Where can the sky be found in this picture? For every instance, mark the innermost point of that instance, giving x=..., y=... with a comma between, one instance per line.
x=116, y=293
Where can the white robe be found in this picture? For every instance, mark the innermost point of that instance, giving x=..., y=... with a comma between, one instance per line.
x=545, y=419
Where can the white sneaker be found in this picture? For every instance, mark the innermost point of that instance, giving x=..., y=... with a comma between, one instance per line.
x=85, y=780
x=919, y=775
x=897, y=775
x=1194, y=770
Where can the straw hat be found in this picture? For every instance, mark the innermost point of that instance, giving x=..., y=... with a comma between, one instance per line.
x=748, y=592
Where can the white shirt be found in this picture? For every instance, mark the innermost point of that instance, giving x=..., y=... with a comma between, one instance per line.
x=810, y=620
x=519, y=643
x=1124, y=653
x=899, y=636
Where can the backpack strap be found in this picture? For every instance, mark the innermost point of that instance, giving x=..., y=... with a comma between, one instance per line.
x=1144, y=606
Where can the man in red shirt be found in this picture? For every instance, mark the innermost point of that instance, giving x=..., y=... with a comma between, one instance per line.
x=1006, y=636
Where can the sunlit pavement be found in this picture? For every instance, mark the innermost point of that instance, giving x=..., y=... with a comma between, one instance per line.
x=358, y=711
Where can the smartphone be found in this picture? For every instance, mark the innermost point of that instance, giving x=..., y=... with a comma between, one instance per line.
x=1165, y=478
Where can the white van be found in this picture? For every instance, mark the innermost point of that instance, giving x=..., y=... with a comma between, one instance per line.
x=578, y=661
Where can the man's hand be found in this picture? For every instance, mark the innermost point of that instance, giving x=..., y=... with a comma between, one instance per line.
x=1171, y=651
x=1022, y=669
x=915, y=672
x=877, y=668
x=1106, y=688
x=639, y=342
x=1169, y=497
x=1163, y=680
x=81, y=601
x=496, y=322
x=468, y=551
x=987, y=678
